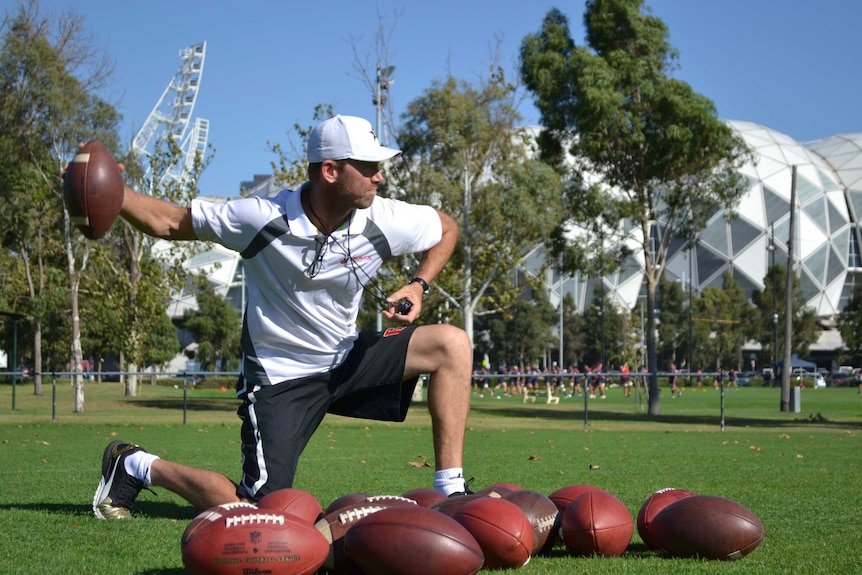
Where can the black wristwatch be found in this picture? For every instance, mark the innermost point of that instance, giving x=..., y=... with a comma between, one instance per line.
x=424, y=284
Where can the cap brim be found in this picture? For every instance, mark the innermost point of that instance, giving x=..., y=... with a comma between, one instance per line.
x=379, y=155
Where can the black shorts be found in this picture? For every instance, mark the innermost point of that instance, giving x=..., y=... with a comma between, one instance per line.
x=279, y=420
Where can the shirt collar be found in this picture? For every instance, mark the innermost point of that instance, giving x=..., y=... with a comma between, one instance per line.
x=300, y=223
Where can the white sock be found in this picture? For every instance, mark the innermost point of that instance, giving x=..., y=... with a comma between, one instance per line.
x=448, y=481
x=138, y=466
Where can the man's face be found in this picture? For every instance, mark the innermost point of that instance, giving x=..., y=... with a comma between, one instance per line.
x=358, y=181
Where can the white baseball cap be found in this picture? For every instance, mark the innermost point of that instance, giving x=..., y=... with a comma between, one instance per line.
x=346, y=137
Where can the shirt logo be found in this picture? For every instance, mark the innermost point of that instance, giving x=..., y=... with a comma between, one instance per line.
x=393, y=331
x=344, y=260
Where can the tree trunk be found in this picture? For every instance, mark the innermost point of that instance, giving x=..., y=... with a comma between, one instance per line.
x=37, y=357
x=77, y=356
x=131, y=379
x=652, y=353
x=788, y=300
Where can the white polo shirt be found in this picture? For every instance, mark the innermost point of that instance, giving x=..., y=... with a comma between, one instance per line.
x=296, y=325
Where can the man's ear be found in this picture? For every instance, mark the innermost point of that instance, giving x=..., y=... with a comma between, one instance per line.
x=329, y=170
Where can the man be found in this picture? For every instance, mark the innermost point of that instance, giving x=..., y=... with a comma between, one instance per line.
x=598, y=386
x=674, y=382
x=308, y=256
x=625, y=379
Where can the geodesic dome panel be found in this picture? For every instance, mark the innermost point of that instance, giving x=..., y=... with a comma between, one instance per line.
x=828, y=200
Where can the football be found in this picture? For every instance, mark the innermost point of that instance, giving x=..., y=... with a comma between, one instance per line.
x=502, y=530
x=542, y=514
x=294, y=501
x=412, y=541
x=706, y=526
x=335, y=524
x=565, y=495
x=424, y=496
x=246, y=540
x=93, y=190
x=652, y=506
x=345, y=500
x=596, y=523
x=450, y=505
x=499, y=489
x=212, y=514
x=390, y=500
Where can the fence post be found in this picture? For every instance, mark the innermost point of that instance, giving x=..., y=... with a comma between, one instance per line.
x=586, y=405
x=53, y=397
x=185, y=395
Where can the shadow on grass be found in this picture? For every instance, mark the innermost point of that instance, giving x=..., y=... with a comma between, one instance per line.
x=227, y=404
x=634, y=550
x=553, y=414
x=154, y=509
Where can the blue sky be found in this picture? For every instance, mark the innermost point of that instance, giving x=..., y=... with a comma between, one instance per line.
x=790, y=65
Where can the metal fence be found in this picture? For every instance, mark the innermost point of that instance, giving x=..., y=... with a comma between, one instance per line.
x=189, y=378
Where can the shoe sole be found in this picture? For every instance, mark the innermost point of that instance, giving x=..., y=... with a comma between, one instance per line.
x=108, y=473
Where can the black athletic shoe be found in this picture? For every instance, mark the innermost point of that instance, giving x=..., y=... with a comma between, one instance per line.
x=466, y=491
x=117, y=490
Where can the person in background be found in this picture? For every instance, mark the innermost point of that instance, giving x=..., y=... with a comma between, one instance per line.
x=625, y=379
x=598, y=387
x=674, y=382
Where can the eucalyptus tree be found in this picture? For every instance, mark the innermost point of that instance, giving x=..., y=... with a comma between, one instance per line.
x=215, y=325
x=725, y=320
x=151, y=269
x=804, y=326
x=672, y=324
x=664, y=160
x=50, y=74
x=850, y=324
x=465, y=154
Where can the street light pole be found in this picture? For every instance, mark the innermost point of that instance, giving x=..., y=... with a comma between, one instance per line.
x=16, y=319
x=602, y=301
x=774, y=299
x=690, y=313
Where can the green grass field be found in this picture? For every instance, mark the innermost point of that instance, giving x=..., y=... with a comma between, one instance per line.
x=801, y=473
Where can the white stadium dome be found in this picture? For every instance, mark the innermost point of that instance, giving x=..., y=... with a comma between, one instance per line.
x=826, y=251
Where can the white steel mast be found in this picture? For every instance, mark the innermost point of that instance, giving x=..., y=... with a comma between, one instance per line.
x=171, y=116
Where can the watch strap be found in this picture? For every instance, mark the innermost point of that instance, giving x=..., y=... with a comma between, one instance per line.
x=425, y=287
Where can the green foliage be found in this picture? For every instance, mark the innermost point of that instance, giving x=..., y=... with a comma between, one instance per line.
x=672, y=324
x=289, y=167
x=50, y=74
x=665, y=160
x=464, y=155
x=603, y=332
x=149, y=271
x=574, y=336
x=160, y=344
x=523, y=335
x=850, y=324
x=805, y=329
x=715, y=309
x=216, y=327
